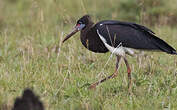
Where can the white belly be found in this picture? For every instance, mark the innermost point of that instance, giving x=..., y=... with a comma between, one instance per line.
x=119, y=50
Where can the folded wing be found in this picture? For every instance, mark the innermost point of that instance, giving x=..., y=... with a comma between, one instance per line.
x=132, y=35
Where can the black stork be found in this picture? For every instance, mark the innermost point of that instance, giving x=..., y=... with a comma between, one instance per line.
x=118, y=37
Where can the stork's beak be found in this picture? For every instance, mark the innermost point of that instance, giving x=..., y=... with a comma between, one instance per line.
x=77, y=28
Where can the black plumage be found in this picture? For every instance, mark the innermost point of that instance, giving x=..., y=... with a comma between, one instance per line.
x=107, y=35
x=132, y=35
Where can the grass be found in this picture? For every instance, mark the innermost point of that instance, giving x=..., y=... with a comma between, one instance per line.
x=31, y=56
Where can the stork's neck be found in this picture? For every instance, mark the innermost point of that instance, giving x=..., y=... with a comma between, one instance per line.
x=88, y=28
x=91, y=40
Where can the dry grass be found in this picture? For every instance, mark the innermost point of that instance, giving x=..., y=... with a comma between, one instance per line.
x=31, y=55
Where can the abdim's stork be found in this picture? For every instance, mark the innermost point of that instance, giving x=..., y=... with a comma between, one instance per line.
x=119, y=38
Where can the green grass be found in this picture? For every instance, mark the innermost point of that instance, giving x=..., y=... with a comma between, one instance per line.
x=30, y=37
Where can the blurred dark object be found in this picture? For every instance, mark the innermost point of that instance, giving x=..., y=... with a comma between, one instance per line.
x=29, y=101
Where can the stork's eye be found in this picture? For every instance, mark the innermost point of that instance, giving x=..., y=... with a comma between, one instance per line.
x=80, y=22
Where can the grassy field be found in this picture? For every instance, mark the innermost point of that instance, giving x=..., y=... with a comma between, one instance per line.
x=31, y=56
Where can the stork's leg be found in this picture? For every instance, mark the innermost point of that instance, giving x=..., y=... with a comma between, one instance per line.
x=92, y=86
x=129, y=74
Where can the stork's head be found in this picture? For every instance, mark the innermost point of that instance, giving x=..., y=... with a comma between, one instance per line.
x=81, y=24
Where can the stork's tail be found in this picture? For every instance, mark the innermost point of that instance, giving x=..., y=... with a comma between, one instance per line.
x=162, y=45
x=174, y=52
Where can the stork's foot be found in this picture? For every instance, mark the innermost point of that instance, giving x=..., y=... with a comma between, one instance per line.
x=129, y=81
x=130, y=89
x=92, y=86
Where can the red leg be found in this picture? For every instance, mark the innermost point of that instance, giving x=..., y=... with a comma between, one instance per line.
x=129, y=74
x=92, y=86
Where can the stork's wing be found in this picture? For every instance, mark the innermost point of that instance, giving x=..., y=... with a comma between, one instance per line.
x=131, y=35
